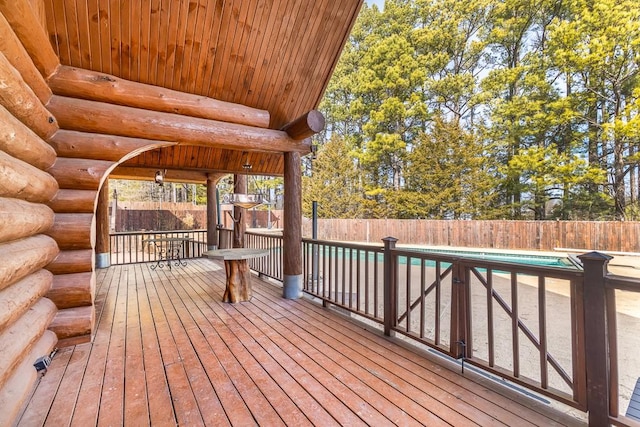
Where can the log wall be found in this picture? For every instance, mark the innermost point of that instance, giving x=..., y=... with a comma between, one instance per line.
x=25, y=217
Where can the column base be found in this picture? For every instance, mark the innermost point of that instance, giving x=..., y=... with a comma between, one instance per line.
x=102, y=260
x=212, y=247
x=292, y=286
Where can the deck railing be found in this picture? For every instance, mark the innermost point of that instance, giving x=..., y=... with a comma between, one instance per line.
x=133, y=247
x=499, y=316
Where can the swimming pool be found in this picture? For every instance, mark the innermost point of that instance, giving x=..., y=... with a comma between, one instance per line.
x=527, y=259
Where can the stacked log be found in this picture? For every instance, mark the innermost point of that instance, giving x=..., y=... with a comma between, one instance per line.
x=25, y=189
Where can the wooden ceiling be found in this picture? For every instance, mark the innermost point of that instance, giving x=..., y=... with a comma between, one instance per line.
x=276, y=55
x=187, y=157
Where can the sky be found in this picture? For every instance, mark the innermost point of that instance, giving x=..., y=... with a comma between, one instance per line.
x=380, y=3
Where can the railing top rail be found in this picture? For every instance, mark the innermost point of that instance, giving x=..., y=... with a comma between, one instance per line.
x=555, y=272
x=622, y=283
x=361, y=246
x=146, y=232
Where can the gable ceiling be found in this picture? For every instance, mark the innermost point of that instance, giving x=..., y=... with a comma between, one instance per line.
x=276, y=55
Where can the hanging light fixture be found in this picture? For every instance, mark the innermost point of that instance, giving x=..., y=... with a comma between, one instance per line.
x=246, y=200
x=159, y=178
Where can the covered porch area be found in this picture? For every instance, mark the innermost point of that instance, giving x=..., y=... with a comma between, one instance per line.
x=167, y=351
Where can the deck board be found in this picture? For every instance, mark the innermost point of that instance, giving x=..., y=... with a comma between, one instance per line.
x=168, y=351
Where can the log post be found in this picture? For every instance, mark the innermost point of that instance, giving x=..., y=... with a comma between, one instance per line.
x=292, y=233
x=239, y=222
x=102, y=227
x=212, y=211
x=595, y=330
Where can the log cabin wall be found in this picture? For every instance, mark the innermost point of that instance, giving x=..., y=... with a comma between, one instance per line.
x=26, y=309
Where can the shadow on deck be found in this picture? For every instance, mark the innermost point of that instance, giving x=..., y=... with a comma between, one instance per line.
x=167, y=351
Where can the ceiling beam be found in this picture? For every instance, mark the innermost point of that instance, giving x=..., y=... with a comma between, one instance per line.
x=95, y=86
x=100, y=117
x=148, y=174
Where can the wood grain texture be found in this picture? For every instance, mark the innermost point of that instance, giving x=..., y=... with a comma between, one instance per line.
x=274, y=56
x=292, y=230
x=73, y=322
x=102, y=220
x=18, y=98
x=305, y=126
x=72, y=290
x=238, y=288
x=18, y=387
x=91, y=85
x=25, y=256
x=73, y=201
x=21, y=142
x=13, y=50
x=16, y=340
x=265, y=362
x=99, y=117
x=79, y=174
x=26, y=25
x=72, y=261
x=97, y=146
x=211, y=160
x=148, y=174
x=19, y=297
x=73, y=231
x=23, y=219
x=20, y=180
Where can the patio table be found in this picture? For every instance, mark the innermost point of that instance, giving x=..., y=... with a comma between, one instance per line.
x=238, y=286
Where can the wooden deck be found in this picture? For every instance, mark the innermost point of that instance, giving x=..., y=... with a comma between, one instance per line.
x=167, y=351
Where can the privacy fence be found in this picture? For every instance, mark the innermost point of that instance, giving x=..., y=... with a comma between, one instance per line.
x=535, y=235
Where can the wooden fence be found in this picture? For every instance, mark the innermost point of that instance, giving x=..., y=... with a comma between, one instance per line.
x=609, y=236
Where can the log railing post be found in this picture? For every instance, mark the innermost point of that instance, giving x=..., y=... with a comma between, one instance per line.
x=103, y=250
x=595, y=327
x=390, y=306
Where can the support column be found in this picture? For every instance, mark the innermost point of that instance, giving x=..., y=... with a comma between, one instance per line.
x=239, y=223
x=212, y=212
x=102, y=227
x=292, y=233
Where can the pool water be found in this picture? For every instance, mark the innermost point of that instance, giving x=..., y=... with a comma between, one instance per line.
x=527, y=259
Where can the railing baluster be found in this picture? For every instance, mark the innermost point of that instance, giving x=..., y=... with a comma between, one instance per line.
x=542, y=324
x=490, y=329
x=515, y=331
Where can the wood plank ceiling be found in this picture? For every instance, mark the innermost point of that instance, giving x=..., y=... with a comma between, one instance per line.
x=276, y=55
